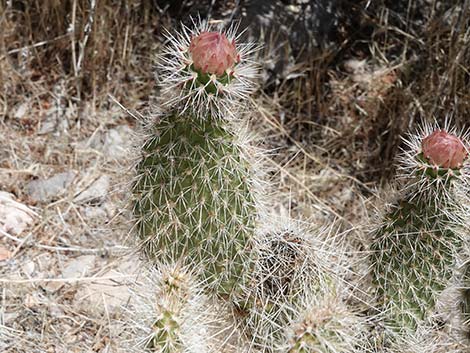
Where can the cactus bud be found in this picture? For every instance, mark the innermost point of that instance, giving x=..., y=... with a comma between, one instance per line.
x=444, y=149
x=213, y=53
x=206, y=70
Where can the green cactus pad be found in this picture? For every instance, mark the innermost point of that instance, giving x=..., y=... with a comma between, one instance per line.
x=194, y=199
x=413, y=257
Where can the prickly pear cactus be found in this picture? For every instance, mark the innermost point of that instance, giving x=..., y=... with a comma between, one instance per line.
x=194, y=194
x=415, y=250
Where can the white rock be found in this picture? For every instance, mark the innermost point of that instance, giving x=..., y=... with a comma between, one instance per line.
x=21, y=111
x=91, y=212
x=96, y=192
x=79, y=267
x=115, y=143
x=14, y=216
x=110, y=293
x=28, y=268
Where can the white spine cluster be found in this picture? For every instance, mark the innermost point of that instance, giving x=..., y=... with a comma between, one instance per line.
x=292, y=260
x=178, y=81
x=322, y=323
x=168, y=313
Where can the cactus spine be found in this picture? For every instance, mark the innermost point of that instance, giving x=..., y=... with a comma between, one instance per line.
x=415, y=250
x=193, y=197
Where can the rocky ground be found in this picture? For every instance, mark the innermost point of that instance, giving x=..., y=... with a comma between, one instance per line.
x=65, y=264
x=341, y=82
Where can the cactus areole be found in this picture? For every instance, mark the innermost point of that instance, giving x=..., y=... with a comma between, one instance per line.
x=444, y=150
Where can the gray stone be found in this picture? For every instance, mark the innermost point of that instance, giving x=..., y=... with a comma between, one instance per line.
x=96, y=192
x=117, y=142
x=114, y=143
x=48, y=189
x=111, y=289
x=92, y=212
x=79, y=266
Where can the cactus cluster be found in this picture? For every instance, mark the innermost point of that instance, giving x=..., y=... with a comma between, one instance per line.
x=297, y=276
x=206, y=234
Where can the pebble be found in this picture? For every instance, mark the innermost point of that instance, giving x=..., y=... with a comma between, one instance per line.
x=79, y=266
x=96, y=192
x=48, y=189
x=14, y=216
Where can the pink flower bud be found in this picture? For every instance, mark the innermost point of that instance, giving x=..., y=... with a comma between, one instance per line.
x=213, y=53
x=444, y=150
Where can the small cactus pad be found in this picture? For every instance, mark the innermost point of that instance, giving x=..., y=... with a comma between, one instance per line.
x=193, y=198
x=414, y=251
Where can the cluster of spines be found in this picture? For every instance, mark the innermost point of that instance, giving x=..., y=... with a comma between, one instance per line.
x=323, y=323
x=294, y=270
x=167, y=312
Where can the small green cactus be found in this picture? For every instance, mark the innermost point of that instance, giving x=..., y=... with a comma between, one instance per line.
x=194, y=194
x=415, y=250
x=283, y=270
x=323, y=324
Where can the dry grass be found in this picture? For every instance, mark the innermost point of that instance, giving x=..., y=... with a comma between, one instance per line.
x=335, y=125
